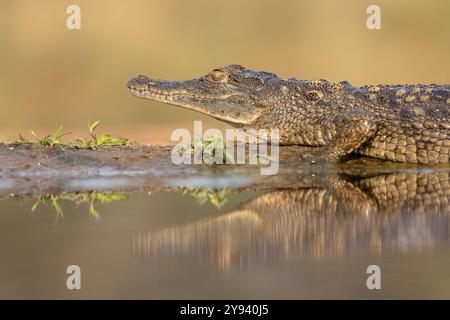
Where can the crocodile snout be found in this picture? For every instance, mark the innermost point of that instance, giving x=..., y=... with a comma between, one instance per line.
x=138, y=83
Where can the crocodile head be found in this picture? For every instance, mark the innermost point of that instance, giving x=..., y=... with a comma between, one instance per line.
x=231, y=94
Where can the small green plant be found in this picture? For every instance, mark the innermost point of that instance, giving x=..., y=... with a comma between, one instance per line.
x=22, y=140
x=98, y=140
x=208, y=147
x=217, y=197
x=51, y=140
x=89, y=198
x=56, y=139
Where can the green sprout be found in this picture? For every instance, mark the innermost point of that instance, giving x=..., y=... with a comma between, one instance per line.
x=55, y=139
x=99, y=140
x=21, y=140
x=51, y=140
x=208, y=147
x=217, y=197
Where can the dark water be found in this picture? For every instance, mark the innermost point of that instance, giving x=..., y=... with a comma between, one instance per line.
x=297, y=242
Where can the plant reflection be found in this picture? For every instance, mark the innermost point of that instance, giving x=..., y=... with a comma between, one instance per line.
x=89, y=198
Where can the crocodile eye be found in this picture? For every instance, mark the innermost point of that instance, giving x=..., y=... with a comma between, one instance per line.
x=218, y=75
x=314, y=95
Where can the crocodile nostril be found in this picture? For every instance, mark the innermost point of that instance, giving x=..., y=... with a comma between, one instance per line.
x=130, y=83
x=139, y=82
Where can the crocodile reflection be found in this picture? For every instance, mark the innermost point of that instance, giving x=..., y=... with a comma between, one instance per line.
x=403, y=211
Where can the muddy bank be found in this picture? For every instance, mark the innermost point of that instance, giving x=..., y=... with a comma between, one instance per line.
x=28, y=169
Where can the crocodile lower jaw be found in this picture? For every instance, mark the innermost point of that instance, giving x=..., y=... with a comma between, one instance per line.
x=153, y=95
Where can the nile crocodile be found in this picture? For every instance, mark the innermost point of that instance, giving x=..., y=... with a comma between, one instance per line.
x=403, y=123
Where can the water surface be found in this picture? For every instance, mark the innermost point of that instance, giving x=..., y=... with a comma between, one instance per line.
x=313, y=240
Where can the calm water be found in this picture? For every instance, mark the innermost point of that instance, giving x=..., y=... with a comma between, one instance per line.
x=299, y=242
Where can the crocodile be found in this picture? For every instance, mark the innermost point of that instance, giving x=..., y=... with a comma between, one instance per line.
x=401, y=123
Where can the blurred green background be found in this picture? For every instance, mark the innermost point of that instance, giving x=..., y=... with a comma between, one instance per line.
x=51, y=75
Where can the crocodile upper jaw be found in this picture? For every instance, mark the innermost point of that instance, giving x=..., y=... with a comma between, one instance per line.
x=227, y=106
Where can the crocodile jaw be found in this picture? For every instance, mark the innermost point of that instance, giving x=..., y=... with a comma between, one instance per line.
x=231, y=107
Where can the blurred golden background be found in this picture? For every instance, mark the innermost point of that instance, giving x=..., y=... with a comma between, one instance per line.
x=51, y=75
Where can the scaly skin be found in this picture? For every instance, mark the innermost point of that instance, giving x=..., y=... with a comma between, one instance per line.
x=403, y=123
